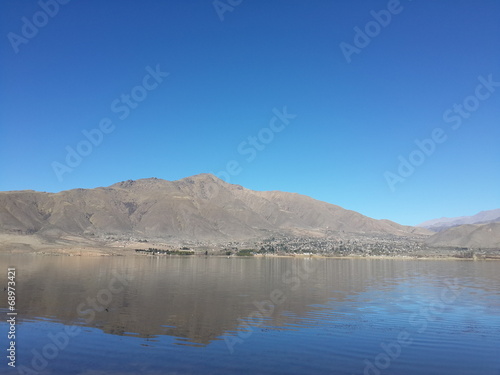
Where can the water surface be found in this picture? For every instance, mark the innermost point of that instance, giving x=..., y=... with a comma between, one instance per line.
x=175, y=315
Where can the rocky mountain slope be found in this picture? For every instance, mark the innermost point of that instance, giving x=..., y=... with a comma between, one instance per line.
x=201, y=207
x=468, y=235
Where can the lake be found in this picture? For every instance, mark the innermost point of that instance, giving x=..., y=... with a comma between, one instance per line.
x=217, y=315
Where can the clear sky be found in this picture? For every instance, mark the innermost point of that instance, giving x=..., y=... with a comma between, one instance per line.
x=324, y=98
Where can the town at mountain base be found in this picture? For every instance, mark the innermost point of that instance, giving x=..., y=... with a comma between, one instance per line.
x=207, y=215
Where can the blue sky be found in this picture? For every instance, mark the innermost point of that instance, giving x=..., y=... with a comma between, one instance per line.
x=230, y=70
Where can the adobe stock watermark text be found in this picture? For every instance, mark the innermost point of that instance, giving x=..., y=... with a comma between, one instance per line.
x=121, y=107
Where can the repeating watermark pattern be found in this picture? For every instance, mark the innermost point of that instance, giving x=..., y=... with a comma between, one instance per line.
x=454, y=116
x=30, y=27
x=292, y=278
x=86, y=310
x=223, y=6
x=392, y=350
x=252, y=145
x=121, y=107
x=250, y=148
x=363, y=37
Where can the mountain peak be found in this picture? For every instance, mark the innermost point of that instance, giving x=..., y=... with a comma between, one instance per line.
x=202, y=177
x=142, y=181
x=197, y=207
x=154, y=182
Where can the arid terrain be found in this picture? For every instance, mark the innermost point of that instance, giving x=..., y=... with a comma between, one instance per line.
x=209, y=216
x=483, y=217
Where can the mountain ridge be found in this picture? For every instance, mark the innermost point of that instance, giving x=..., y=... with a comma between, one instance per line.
x=443, y=223
x=196, y=207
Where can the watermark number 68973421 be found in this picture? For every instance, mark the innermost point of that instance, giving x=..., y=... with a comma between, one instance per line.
x=11, y=316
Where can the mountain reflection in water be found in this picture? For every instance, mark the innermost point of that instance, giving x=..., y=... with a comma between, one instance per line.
x=331, y=314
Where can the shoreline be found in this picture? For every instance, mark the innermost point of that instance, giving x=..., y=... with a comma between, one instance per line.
x=73, y=246
x=121, y=252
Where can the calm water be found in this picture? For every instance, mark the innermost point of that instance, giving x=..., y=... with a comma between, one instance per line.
x=164, y=315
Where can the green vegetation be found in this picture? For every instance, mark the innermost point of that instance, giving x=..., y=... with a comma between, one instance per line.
x=245, y=253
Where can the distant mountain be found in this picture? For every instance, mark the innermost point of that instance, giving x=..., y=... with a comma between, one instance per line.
x=437, y=225
x=468, y=235
x=201, y=207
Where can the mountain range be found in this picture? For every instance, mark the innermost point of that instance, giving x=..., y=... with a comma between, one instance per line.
x=200, y=207
x=205, y=208
x=483, y=217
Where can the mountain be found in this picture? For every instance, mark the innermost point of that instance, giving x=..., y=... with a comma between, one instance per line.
x=200, y=207
x=436, y=225
x=468, y=235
